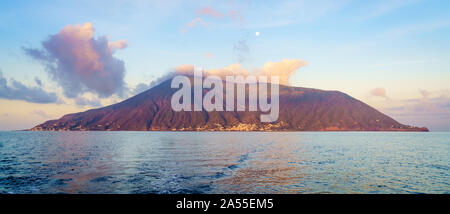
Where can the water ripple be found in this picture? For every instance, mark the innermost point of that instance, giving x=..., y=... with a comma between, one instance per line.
x=224, y=162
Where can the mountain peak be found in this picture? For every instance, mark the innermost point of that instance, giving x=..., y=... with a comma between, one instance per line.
x=300, y=109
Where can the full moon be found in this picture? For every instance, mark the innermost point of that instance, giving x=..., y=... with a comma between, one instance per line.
x=257, y=34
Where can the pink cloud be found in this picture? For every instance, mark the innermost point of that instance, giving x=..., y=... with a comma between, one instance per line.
x=209, y=11
x=80, y=63
x=378, y=92
x=195, y=22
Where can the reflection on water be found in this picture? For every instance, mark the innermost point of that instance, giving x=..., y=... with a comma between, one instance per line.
x=224, y=162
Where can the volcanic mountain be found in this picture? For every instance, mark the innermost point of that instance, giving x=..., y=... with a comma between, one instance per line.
x=301, y=109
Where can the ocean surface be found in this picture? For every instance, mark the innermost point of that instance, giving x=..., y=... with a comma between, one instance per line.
x=224, y=162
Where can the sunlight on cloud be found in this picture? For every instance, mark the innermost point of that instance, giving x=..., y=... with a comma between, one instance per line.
x=284, y=69
x=378, y=92
x=80, y=63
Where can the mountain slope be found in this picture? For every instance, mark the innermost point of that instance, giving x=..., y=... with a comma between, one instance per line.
x=301, y=109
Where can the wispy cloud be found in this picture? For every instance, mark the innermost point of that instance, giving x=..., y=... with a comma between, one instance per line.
x=209, y=11
x=195, y=22
x=284, y=69
x=19, y=91
x=83, y=101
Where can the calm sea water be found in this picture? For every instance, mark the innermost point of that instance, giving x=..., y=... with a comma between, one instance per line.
x=224, y=162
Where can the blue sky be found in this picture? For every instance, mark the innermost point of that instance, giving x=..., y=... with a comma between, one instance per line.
x=399, y=47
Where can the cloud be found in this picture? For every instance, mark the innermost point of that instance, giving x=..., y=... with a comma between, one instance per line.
x=241, y=47
x=429, y=102
x=284, y=69
x=82, y=101
x=121, y=44
x=378, y=92
x=19, y=91
x=209, y=11
x=195, y=22
x=80, y=63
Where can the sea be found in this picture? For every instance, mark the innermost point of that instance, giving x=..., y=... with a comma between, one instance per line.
x=224, y=162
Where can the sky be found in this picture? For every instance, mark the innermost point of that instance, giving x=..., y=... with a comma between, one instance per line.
x=61, y=57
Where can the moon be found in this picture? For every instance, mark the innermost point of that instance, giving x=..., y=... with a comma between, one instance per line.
x=257, y=34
